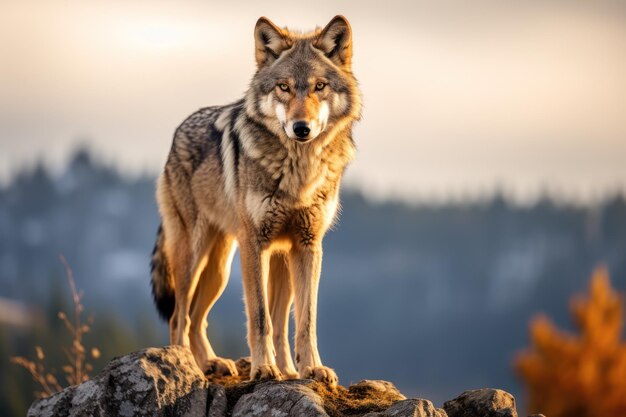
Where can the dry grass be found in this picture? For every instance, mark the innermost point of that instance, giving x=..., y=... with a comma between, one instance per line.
x=77, y=368
x=46, y=380
x=353, y=401
x=342, y=402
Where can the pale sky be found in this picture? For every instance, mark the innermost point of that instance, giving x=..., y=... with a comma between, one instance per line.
x=460, y=97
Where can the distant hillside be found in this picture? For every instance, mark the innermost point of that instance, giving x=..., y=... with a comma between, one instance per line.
x=451, y=287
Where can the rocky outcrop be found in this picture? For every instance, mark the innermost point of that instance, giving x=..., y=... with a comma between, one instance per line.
x=151, y=382
x=166, y=382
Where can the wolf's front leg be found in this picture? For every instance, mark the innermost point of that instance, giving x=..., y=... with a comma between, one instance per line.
x=255, y=270
x=306, y=268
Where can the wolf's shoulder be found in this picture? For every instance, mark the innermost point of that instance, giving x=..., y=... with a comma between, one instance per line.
x=199, y=121
x=201, y=134
x=203, y=121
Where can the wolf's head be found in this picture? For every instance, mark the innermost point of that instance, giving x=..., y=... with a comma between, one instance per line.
x=304, y=85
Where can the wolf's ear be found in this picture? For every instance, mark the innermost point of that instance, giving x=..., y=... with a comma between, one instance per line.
x=269, y=42
x=335, y=40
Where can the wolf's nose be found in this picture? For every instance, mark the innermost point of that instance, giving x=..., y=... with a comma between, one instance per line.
x=301, y=129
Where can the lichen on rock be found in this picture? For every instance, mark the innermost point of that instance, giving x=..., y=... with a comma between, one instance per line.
x=485, y=402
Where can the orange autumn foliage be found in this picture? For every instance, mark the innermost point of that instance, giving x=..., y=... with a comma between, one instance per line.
x=582, y=374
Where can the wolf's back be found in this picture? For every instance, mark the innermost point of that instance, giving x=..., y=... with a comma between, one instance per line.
x=162, y=283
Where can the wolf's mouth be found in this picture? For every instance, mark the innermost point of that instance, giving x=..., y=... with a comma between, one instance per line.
x=303, y=140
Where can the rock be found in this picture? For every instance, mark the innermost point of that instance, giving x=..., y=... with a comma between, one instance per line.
x=216, y=401
x=280, y=399
x=377, y=387
x=411, y=408
x=150, y=382
x=485, y=402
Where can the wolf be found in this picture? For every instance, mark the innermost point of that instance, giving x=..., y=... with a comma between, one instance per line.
x=263, y=174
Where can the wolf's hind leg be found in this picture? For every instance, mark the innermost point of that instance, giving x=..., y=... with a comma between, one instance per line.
x=191, y=259
x=280, y=293
x=212, y=282
x=178, y=253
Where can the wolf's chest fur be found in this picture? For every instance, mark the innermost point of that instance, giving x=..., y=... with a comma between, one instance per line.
x=290, y=188
x=248, y=171
x=298, y=194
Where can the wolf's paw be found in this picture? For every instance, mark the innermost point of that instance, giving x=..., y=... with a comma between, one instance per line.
x=290, y=374
x=265, y=372
x=321, y=374
x=219, y=367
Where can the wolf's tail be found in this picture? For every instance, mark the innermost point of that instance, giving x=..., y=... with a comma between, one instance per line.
x=162, y=280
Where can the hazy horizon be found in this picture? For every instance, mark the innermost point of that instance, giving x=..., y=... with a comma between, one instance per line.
x=459, y=99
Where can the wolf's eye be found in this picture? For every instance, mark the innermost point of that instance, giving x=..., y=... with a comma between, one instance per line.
x=320, y=86
x=283, y=86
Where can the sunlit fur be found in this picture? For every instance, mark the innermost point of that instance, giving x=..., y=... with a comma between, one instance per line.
x=238, y=174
